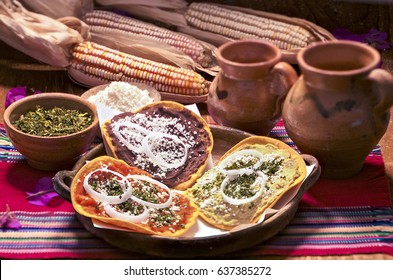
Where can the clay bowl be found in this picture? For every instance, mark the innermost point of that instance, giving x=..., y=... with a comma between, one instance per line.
x=51, y=153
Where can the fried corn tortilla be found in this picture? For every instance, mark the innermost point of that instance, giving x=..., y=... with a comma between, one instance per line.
x=166, y=139
x=248, y=179
x=113, y=192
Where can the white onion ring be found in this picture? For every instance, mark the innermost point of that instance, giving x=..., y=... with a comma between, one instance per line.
x=152, y=181
x=112, y=199
x=138, y=128
x=241, y=171
x=131, y=218
x=261, y=179
x=160, y=161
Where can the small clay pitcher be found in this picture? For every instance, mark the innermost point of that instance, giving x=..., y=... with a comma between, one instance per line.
x=249, y=90
x=338, y=110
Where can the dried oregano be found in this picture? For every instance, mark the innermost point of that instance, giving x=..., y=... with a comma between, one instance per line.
x=56, y=121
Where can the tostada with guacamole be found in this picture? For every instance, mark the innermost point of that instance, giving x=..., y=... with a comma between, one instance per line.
x=247, y=180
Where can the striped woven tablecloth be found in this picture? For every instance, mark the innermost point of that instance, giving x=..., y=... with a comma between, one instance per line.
x=338, y=217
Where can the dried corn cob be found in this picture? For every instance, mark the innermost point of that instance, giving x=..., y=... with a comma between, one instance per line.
x=105, y=64
x=107, y=21
x=239, y=25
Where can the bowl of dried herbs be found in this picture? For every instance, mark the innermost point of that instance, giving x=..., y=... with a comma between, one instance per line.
x=51, y=130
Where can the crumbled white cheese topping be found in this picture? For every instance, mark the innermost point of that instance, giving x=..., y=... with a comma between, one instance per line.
x=122, y=96
x=164, y=148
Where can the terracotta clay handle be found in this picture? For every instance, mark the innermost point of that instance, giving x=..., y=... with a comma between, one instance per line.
x=383, y=84
x=289, y=74
x=61, y=183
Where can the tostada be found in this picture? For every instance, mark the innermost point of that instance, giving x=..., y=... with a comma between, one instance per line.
x=164, y=138
x=247, y=180
x=113, y=192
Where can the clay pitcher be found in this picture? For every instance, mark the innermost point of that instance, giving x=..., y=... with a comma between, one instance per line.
x=249, y=90
x=338, y=110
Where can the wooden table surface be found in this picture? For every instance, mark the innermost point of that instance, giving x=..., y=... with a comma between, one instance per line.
x=17, y=69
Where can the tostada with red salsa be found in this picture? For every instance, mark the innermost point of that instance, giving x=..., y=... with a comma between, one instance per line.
x=113, y=192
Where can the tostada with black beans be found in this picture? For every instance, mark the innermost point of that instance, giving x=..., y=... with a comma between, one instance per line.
x=165, y=139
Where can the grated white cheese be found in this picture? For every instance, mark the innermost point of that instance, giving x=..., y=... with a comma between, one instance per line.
x=122, y=96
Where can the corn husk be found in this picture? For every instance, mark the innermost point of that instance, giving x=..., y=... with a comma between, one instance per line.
x=162, y=4
x=53, y=41
x=169, y=12
x=151, y=47
x=59, y=8
x=319, y=33
x=38, y=36
x=176, y=17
